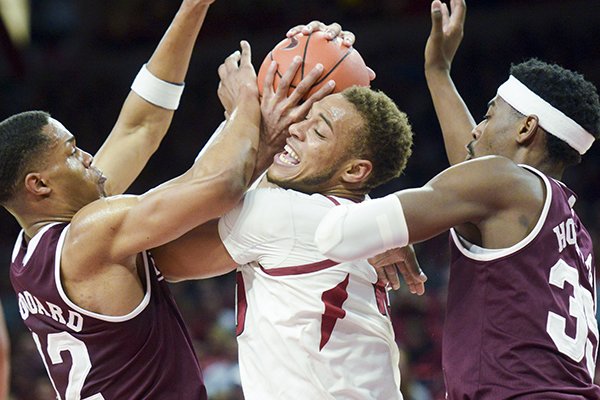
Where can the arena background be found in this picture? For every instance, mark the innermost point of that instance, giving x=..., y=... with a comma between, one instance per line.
x=82, y=55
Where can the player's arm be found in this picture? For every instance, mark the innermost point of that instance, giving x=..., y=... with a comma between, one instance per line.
x=453, y=115
x=464, y=195
x=198, y=254
x=141, y=125
x=119, y=227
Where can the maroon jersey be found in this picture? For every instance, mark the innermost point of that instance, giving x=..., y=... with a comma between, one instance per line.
x=521, y=321
x=146, y=354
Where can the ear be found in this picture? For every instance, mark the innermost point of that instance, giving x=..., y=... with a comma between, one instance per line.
x=528, y=129
x=36, y=185
x=357, y=171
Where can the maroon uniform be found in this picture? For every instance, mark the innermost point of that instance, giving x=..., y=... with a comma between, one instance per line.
x=521, y=321
x=146, y=354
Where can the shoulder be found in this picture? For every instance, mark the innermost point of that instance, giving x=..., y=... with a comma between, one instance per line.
x=97, y=223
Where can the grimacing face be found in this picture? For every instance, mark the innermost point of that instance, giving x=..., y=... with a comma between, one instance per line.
x=495, y=134
x=318, y=147
x=69, y=171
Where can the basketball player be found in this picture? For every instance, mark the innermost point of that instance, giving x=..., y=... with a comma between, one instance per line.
x=521, y=306
x=308, y=327
x=99, y=312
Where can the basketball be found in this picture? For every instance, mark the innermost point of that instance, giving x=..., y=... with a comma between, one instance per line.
x=341, y=63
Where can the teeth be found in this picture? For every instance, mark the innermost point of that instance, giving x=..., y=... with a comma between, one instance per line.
x=291, y=152
x=284, y=160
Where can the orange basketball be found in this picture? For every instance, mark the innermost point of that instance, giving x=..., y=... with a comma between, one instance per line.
x=341, y=63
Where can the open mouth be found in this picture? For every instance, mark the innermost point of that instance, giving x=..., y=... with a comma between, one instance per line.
x=288, y=156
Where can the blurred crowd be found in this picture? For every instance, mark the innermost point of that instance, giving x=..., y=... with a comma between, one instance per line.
x=83, y=55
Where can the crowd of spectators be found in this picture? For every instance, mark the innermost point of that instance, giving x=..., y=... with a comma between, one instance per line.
x=84, y=54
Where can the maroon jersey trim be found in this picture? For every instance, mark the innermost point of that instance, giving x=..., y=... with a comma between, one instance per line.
x=299, y=269
x=108, y=318
x=495, y=254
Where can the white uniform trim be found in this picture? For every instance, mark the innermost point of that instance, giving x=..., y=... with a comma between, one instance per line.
x=102, y=317
x=475, y=252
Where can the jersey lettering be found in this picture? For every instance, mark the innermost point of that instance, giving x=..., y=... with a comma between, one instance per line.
x=566, y=234
x=81, y=364
x=581, y=307
x=29, y=304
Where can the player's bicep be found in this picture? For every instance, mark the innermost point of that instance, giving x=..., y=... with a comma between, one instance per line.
x=450, y=199
x=198, y=254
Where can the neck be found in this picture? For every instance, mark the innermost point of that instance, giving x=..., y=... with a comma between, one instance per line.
x=32, y=223
x=355, y=196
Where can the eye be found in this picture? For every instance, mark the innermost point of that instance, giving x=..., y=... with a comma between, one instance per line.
x=319, y=135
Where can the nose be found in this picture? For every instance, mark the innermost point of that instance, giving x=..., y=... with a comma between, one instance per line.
x=297, y=130
x=476, y=132
x=87, y=158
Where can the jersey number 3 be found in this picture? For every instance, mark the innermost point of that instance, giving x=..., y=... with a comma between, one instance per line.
x=81, y=364
x=581, y=307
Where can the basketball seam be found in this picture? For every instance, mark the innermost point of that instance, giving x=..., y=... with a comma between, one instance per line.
x=334, y=67
x=304, y=55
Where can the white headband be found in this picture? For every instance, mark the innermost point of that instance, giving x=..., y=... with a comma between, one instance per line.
x=554, y=121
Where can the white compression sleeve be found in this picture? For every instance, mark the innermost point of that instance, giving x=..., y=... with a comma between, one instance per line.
x=359, y=231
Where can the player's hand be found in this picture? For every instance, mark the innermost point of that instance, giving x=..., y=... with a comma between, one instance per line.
x=403, y=260
x=237, y=77
x=447, y=30
x=279, y=110
x=332, y=31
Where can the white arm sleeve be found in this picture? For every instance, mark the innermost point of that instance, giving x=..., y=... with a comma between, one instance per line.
x=359, y=231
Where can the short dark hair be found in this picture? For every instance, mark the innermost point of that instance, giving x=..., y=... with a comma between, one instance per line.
x=21, y=139
x=567, y=91
x=388, y=135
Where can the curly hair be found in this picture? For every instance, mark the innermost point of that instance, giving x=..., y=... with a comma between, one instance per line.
x=567, y=91
x=388, y=135
x=22, y=141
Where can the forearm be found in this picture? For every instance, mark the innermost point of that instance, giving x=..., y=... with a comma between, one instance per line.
x=234, y=149
x=453, y=115
x=142, y=125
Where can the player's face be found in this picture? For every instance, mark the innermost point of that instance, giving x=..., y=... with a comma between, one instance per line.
x=69, y=170
x=495, y=135
x=318, y=147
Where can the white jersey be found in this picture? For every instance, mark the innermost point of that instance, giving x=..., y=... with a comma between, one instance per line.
x=308, y=328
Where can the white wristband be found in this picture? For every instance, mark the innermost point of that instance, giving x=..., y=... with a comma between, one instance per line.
x=359, y=231
x=156, y=91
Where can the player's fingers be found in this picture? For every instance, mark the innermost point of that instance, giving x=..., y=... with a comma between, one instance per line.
x=246, y=56
x=436, y=18
x=295, y=30
x=231, y=62
x=348, y=38
x=326, y=89
x=332, y=30
x=392, y=274
x=287, y=78
x=304, y=86
x=269, y=79
x=313, y=26
x=445, y=17
x=459, y=11
x=382, y=276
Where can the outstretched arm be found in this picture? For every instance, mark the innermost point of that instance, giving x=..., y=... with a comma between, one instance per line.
x=468, y=195
x=453, y=115
x=118, y=228
x=142, y=125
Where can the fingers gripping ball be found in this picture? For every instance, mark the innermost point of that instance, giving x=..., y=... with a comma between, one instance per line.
x=341, y=63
